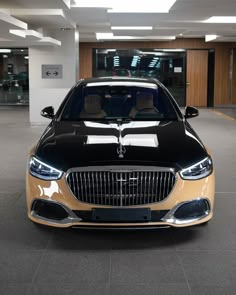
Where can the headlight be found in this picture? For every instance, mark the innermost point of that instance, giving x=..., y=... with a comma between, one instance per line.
x=42, y=170
x=198, y=170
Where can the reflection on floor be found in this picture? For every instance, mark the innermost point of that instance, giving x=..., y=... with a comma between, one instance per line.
x=192, y=261
x=231, y=112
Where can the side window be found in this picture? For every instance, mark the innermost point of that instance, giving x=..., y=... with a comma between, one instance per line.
x=73, y=106
x=162, y=103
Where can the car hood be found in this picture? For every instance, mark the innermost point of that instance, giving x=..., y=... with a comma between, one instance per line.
x=66, y=145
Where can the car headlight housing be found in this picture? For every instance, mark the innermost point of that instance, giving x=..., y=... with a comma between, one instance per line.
x=42, y=170
x=199, y=170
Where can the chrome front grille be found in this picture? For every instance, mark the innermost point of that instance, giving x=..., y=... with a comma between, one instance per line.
x=121, y=186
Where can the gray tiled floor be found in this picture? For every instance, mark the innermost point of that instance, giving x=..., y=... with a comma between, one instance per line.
x=42, y=261
x=228, y=111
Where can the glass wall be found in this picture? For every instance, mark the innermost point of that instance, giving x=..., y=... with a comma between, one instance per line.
x=166, y=65
x=14, y=81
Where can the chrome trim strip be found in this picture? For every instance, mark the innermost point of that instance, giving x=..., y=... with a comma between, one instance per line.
x=123, y=168
x=169, y=217
x=117, y=196
x=71, y=218
x=125, y=228
x=74, y=219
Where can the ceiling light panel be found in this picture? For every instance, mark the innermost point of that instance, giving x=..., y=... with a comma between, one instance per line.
x=209, y=38
x=5, y=50
x=110, y=36
x=221, y=20
x=132, y=28
x=114, y=6
x=94, y=3
x=148, y=6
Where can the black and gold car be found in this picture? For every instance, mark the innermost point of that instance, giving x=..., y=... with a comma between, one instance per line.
x=119, y=153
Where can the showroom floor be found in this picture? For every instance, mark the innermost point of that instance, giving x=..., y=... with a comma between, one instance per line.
x=34, y=260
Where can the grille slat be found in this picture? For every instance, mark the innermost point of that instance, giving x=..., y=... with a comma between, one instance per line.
x=121, y=188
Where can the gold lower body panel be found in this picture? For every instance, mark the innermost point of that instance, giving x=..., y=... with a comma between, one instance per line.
x=59, y=192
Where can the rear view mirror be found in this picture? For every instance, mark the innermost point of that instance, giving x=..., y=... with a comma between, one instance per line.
x=48, y=112
x=190, y=112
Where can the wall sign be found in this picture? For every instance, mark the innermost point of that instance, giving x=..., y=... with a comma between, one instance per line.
x=177, y=70
x=51, y=71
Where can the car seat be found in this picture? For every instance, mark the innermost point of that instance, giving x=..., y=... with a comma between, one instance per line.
x=144, y=104
x=92, y=107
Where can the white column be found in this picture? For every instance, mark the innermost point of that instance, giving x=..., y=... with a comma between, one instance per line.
x=50, y=92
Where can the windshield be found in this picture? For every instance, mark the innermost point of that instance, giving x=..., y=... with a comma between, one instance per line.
x=101, y=101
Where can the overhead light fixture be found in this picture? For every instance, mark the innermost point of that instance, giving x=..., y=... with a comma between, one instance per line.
x=136, y=59
x=26, y=57
x=110, y=36
x=148, y=6
x=114, y=6
x=94, y=3
x=209, y=38
x=5, y=50
x=221, y=20
x=5, y=56
x=172, y=50
x=132, y=28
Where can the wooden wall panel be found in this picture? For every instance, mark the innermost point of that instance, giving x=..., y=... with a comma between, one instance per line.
x=234, y=79
x=222, y=76
x=85, y=61
x=222, y=59
x=197, y=70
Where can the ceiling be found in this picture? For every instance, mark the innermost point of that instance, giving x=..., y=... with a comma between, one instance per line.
x=33, y=22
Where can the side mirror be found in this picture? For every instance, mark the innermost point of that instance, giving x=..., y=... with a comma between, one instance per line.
x=48, y=112
x=190, y=112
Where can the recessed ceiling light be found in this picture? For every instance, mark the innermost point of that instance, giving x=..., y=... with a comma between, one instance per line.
x=148, y=6
x=172, y=50
x=132, y=28
x=5, y=50
x=114, y=6
x=209, y=38
x=221, y=19
x=94, y=3
x=110, y=36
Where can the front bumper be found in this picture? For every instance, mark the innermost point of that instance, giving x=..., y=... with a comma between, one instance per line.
x=189, y=203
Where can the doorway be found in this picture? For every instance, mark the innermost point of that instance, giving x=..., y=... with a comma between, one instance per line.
x=197, y=77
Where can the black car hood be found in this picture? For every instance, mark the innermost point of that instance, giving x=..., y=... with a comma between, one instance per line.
x=65, y=145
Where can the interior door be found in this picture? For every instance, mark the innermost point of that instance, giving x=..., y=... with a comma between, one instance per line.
x=197, y=73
